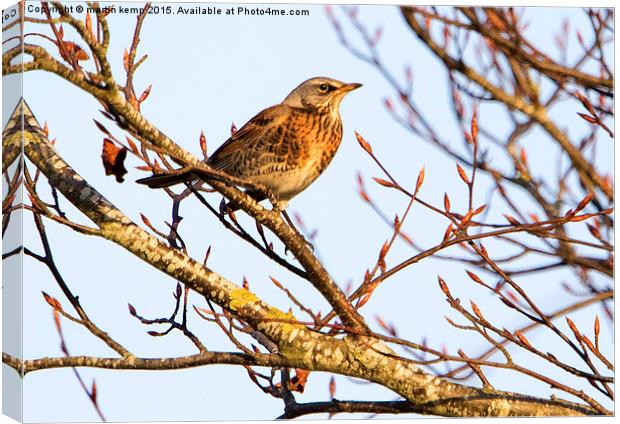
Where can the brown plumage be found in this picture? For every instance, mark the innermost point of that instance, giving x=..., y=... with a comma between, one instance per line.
x=285, y=147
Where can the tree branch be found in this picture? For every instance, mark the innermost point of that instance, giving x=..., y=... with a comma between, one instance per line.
x=538, y=113
x=354, y=355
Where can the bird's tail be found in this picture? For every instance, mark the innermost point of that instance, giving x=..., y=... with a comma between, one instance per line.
x=166, y=180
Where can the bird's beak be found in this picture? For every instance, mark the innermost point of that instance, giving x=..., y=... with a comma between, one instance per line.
x=350, y=87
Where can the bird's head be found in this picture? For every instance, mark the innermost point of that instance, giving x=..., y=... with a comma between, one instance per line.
x=319, y=93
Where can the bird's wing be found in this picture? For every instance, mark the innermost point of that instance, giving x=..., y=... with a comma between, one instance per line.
x=262, y=140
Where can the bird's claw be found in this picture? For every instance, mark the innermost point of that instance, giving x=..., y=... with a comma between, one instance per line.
x=280, y=205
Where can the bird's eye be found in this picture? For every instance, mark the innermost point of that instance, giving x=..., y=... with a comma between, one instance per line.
x=324, y=88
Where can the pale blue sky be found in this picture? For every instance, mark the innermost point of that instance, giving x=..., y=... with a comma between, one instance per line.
x=208, y=71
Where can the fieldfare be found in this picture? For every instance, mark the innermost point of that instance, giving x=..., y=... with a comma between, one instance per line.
x=285, y=147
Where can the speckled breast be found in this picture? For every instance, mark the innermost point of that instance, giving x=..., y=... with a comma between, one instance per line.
x=316, y=143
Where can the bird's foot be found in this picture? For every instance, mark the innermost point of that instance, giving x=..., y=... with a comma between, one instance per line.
x=268, y=193
x=280, y=205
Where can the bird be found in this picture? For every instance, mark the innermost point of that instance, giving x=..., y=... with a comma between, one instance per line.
x=284, y=148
